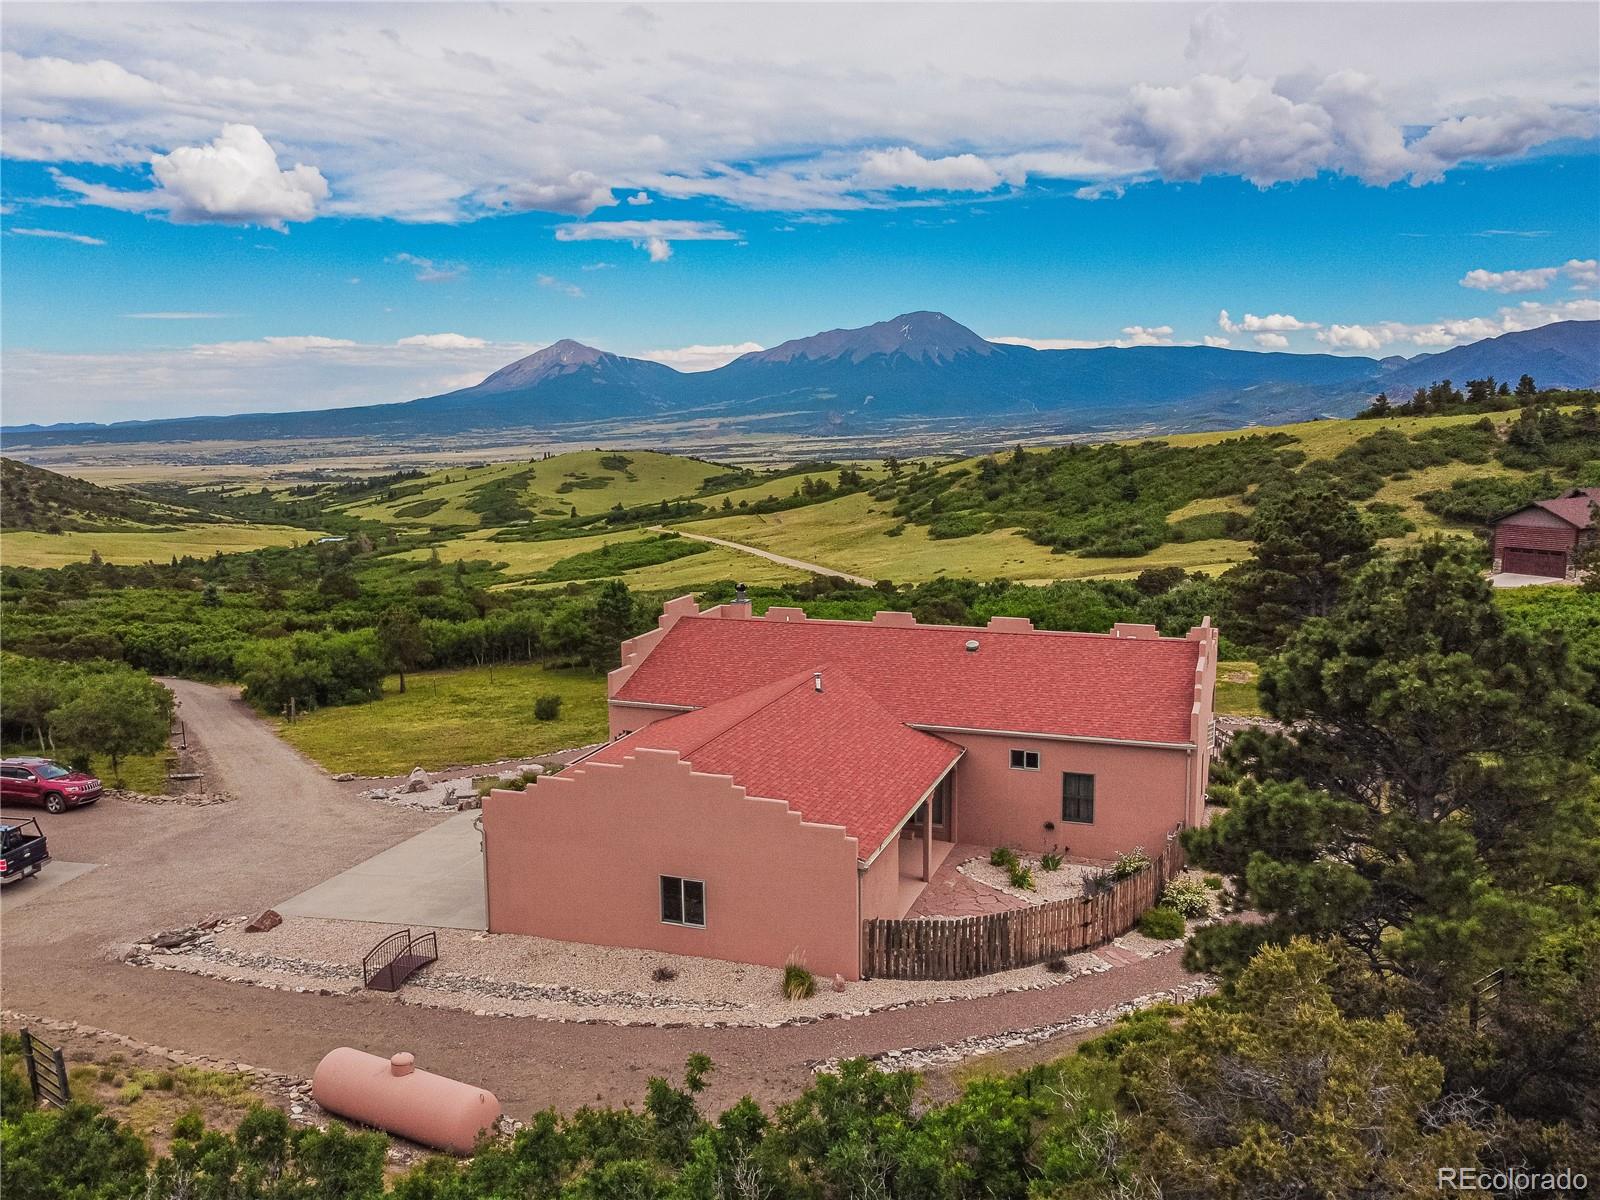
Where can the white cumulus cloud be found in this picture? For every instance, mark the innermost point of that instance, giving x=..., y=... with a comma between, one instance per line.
x=1272, y=323
x=1456, y=331
x=700, y=358
x=578, y=195
x=1534, y=279
x=443, y=341
x=1146, y=335
x=903, y=167
x=1272, y=341
x=233, y=180
x=654, y=237
x=1584, y=273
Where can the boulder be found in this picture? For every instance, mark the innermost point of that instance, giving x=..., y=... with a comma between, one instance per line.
x=267, y=920
x=418, y=781
x=344, y=776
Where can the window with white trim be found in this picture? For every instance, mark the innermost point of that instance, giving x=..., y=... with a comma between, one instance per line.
x=1024, y=760
x=683, y=901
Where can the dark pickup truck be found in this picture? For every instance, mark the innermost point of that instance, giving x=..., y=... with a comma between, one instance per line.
x=22, y=850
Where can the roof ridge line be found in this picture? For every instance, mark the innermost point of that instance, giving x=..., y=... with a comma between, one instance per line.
x=799, y=679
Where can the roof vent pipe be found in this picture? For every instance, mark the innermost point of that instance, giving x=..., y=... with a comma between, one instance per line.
x=740, y=594
x=816, y=679
x=972, y=646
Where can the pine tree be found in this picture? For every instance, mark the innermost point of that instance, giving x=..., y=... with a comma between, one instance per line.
x=1308, y=541
x=1435, y=756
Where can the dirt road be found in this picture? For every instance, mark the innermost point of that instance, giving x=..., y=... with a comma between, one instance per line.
x=161, y=866
x=758, y=552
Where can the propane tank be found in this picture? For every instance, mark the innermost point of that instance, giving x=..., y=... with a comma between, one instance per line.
x=392, y=1095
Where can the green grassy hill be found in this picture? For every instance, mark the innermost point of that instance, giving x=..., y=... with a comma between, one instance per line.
x=590, y=481
x=1116, y=508
x=35, y=499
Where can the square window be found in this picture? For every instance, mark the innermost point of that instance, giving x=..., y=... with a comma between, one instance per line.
x=1077, y=797
x=1024, y=760
x=683, y=901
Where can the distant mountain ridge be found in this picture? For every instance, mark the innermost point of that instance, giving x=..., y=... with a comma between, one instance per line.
x=917, y=367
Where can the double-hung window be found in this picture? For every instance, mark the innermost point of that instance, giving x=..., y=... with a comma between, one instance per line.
x=1077, y=797
x=1024, y=760
x=683, y=901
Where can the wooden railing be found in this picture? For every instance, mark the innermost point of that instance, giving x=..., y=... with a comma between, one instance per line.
x=962, y=947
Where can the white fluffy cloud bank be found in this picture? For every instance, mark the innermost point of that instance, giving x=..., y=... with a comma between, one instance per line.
x=1401, y=337
x=1583, y=273
x=449, y=113
x=306, y=371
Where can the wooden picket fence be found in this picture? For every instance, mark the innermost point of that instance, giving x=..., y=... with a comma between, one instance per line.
x=962, y=947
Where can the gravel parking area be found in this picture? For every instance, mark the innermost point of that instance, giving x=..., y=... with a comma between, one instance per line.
x=492, y=974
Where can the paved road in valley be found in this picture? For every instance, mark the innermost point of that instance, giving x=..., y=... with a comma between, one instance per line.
x=781, y=560
x=161, y=866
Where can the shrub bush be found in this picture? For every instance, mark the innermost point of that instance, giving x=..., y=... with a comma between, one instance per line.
x=1058, y=966
x=664, y=974
x=1050, y=860
x=1163, y=924
x=547, y=707
x=1189, y=897
x=1003, y=856
x=1130, y=863
x=1214, y=882
x=1021, y=876
x=798, y=983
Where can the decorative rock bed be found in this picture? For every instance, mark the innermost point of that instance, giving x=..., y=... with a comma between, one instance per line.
x=1072, y=880
x=193, y=799
x=918, y=1058
x=513, y=976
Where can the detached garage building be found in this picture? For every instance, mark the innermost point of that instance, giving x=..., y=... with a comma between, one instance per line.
x=1545, y=537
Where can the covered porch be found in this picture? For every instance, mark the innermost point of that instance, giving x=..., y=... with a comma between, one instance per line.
x=926, y=841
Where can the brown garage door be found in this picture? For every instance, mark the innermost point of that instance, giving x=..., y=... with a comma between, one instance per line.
x=1552, y=563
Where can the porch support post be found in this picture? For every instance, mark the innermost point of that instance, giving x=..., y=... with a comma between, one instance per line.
x=927, y=839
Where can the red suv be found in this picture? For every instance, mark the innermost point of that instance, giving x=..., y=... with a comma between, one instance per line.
x=40, y=781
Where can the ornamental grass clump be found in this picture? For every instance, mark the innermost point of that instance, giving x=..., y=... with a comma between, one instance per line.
x=1050, y=860
x=1021, y=876
x=1003, y=856
x=798, y=983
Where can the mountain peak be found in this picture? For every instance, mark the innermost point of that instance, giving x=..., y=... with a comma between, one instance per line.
x=922, y=336
x=558, y=358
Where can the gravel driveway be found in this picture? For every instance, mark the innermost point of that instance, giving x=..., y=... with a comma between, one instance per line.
x=290, y=827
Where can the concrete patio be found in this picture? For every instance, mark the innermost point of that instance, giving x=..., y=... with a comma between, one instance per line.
x=434, y=879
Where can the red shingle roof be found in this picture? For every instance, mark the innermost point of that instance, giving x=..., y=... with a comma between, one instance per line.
x=1577, y=510
x=835, y=756
x=1062, y=684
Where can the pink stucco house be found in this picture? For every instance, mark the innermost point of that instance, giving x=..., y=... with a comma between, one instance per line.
x=773, y=781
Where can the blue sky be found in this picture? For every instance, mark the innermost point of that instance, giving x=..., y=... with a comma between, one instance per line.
x=182, y=236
